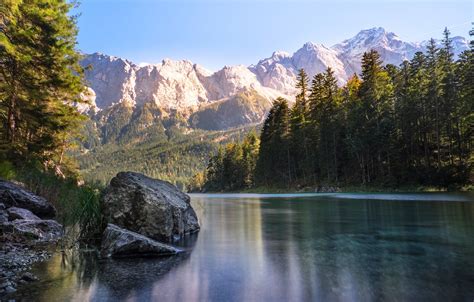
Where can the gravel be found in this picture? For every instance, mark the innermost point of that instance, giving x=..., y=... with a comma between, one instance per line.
x=15, y=261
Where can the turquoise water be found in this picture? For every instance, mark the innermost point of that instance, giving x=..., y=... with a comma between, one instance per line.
x=293, y=247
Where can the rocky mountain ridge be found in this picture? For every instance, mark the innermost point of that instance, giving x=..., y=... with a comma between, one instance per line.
x=180, y=88
x=279, y=71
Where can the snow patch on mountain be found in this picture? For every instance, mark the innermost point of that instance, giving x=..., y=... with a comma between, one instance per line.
x=279, y=71
x=180, y=85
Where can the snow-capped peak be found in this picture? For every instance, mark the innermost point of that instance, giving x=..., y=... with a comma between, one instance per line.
x=370, y=39
x=181, y=84
x=279, y=54
x=311, y=46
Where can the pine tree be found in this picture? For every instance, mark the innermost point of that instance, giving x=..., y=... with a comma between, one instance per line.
x=326, y=123
x=40, y=80
x=411, y=124
x=302, y=85
x=448, y=95
x=299, y=130
x=215, y=172
x=464, y=112
x=350, y=103
x=374, y=132
x=273, y=164
x=434, y=101
x=250, y=147
x=233, y=168
x=316, y=99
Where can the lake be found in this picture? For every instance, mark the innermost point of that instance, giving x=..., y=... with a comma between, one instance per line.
x=292, y=247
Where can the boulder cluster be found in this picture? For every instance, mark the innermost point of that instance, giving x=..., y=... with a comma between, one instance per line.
x=25, y=216
x=143, y=213
x=25, y=221
x=144, y=216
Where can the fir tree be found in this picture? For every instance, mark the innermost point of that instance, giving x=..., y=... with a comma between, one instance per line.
x=410, y=124
x=373, y=129
x=300, y=157
x=40, y=80
x=273, y=164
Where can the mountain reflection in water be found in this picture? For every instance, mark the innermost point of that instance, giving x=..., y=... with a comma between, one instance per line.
x=313, y=247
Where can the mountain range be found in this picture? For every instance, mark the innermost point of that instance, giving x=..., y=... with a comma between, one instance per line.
x=139, y=99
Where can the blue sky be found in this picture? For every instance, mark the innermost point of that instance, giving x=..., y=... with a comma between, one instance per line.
x=228, y=32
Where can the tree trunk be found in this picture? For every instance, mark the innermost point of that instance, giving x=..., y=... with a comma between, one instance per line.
x=11, y=123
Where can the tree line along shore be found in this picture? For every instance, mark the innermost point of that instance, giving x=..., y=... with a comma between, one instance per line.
x=406, y=127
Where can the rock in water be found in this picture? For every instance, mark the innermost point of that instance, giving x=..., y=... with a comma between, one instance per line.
x=13, y=195
x=151, y=207
x=118, y=242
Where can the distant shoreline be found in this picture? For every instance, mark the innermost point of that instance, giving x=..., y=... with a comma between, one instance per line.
x=349, y=189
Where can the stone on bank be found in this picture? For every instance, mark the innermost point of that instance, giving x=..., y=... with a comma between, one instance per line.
x=150, y=207
x=25, y=220
x=13, y=195
x=118, y=242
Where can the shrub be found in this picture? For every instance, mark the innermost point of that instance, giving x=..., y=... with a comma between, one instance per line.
x=77, y=204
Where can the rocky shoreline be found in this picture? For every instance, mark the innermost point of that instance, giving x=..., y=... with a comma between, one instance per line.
x=143, y=217
x=27, y=233
x=16, y=260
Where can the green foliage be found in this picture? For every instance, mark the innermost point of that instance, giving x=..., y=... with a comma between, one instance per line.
x=197, y=183
x=326, y=127
x=299, y=136
x=177, y=157
x=406, y=126
x=40, y=81
x=370, y=120
x=232, y=168
x=40, y=84
x=77, y=204
x=7, y=170
x=274, y=161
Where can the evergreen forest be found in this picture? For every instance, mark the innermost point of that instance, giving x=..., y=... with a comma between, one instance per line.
x=391, y=126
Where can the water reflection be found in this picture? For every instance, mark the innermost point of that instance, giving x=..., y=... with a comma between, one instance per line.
x=319, y=248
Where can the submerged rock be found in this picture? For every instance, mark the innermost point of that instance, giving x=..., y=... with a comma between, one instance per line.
x=118, y=242
x=151, y=207
x=12, y=195
x=19, y=213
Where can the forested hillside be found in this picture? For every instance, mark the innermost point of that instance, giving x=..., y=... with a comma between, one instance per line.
x=175, y=159
x=166, y=146
x=387, y=126
x=391, y=126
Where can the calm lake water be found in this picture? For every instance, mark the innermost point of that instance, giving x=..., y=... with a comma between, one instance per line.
x=293, y=247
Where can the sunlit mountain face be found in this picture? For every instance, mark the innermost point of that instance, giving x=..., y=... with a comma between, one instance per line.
x=183, y=86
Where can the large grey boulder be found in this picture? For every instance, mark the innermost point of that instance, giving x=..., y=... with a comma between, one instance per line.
x=13, y=195
x=118, y=242
x=151, y=207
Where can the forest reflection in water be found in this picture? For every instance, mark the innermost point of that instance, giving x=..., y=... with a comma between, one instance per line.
x=292, y=248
